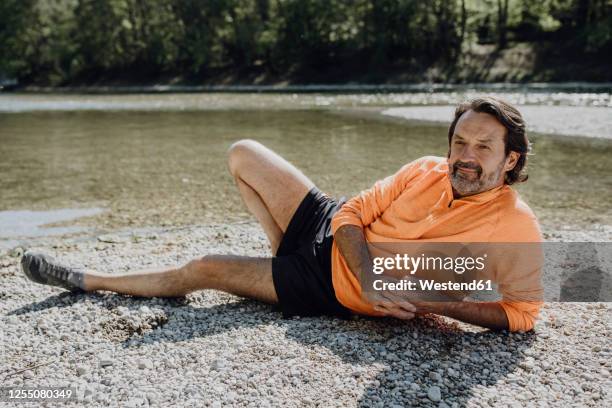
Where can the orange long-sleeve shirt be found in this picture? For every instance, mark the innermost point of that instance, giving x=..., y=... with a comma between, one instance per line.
x=417, y=204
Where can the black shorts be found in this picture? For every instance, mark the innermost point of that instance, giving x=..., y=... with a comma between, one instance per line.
x=301, y=269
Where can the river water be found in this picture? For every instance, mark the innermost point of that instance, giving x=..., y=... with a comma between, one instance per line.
x=156, y=160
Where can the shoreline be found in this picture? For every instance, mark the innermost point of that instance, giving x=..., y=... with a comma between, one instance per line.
x=584, y=122
x=577, y=86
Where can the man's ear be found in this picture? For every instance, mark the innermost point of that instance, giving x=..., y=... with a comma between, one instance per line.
x=511, y=160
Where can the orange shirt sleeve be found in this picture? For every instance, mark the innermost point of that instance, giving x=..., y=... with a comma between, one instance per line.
x=367, y=206
x=521, y=315
x=519, y=275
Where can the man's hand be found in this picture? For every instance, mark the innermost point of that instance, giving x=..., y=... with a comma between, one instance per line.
x=400, y=305
x=391, y=305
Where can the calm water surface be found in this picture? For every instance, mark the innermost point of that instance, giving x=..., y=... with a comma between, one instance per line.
x=169, y=167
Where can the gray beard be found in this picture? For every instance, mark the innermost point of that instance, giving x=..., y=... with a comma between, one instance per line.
x=465, y=186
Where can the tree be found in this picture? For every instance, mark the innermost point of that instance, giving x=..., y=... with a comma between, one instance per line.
x=502, y=23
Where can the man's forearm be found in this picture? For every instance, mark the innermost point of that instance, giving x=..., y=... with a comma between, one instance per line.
x=486, y=314
x=352, y=245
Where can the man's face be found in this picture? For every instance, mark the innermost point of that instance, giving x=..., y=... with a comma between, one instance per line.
x=477, y=161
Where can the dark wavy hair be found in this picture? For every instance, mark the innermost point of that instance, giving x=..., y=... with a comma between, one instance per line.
x=515, y=139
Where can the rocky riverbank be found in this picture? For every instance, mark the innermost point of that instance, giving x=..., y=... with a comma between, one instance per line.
x=215, y=349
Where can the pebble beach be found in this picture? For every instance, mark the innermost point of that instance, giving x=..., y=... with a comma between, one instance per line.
x=213, y=349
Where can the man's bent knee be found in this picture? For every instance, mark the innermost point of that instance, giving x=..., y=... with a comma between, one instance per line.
x=238, y=151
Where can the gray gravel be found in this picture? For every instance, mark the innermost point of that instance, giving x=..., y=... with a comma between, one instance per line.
x=214, y=349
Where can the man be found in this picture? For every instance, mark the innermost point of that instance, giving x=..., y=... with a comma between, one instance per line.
x=320, y=245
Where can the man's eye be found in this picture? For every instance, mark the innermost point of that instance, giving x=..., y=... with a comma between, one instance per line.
x=483, y=147
x=457, y=142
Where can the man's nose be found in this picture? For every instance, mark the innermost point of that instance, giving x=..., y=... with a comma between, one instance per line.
x=468, y=154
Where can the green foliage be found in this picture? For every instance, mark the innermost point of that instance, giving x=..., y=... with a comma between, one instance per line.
x=59, y=41
x=14, y=35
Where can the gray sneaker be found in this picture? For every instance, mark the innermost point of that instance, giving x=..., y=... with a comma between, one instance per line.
x=43, y=269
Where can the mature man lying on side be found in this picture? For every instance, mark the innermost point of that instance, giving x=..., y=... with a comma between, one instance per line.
x=320, y=244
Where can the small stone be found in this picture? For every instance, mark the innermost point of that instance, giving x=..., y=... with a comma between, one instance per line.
x=218, y=364
x=134, y=402
x=110, y=239
x=527, y=365
x=435, y=376
x=434, y=393
x=106, y=361
x=81, y=370
x=145, y=364
x=100, y=397
x=357, y=373
x=151, y=397
x=392, y=357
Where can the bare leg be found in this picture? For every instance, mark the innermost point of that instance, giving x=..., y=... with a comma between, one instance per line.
x=270, y=186
x=238, y=275
x=256, y=206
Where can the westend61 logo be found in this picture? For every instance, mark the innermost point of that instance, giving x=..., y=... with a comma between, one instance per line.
x=412, y=264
